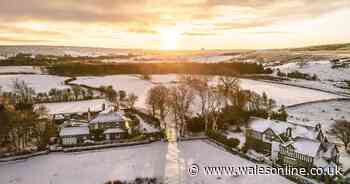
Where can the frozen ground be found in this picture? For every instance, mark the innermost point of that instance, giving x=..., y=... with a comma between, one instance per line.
x=20, y=69
x=328, y=77
x=75, y=106
x=128, y=83
x=283, y=94
x=40, y=83
x=169, y=78
x=94, y=167
x=322, y=85
x=321, y=68
x=322, y=112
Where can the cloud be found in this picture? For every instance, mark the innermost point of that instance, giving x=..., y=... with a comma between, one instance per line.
x=142, y=31
x=155, y=12
x=199, y=34
x=23, y=40
x=23, y=30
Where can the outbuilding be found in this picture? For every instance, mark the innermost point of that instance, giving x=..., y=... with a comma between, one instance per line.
x=74, y=135
x=115, y=133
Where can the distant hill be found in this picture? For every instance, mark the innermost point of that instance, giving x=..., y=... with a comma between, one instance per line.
x=341, y=46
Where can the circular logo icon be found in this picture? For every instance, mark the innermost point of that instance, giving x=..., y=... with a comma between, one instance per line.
x=193, y=170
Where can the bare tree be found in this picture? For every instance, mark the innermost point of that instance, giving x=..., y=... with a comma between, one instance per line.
x=111, y=95
x=90, y=93
x=131, y=100
x=200, y=84
x=157, y=99
x=77, y=91
x=151, y=100
x=341, y=128
x=227, y=86
x=216, y=102
x=24, y=93
x=181, y=98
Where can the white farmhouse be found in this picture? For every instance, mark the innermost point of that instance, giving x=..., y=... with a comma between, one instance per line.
x=291, y=144
x=74, y=135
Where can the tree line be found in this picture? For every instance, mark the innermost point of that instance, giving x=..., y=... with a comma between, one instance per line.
x=202, y=103
x=23, y=127
x=74, y=93
x=157, y=68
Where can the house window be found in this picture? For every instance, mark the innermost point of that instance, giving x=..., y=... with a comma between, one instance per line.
x=269, y=136
x=255, y=135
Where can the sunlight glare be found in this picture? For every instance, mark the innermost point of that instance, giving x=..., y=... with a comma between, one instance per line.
x=169, y=38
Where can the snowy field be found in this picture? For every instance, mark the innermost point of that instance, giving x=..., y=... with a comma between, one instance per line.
x=322, y=85
x=323, y=112
x=327, y=76
x=128, y=83
x=20, y=69
x=321, y=68
x=75, y=107
x=283, y=94
x=96, y=167
x=40, y=83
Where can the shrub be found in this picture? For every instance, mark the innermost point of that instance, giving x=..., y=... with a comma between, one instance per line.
x=232, y=143
x=136, y=181
x=196, y=124
x=300, y=75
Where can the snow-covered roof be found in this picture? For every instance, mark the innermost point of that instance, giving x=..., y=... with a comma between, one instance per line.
x=107, y=117
x=306, y=146
x=113, y=130
x=74, y=131
x=279, y=127
x=261, y=125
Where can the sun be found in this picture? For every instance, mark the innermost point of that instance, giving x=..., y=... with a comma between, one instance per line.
x=168, y=39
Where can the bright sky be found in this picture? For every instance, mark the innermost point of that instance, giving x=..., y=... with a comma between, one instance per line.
x=165, y=24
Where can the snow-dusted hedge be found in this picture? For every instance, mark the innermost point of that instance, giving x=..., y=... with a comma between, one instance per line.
x=136, y=181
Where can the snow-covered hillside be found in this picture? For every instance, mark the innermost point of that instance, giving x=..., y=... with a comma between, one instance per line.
x=75, y=106
x=128, y=83
x=40, y=83
x=322, y=112
x=93, y=167
x=323, y=69
x=329, y=78
x=284, y=94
